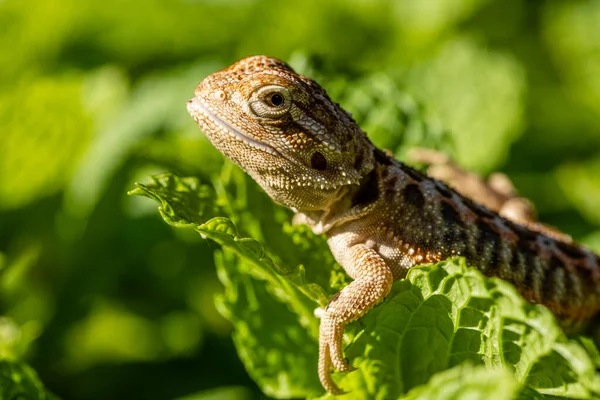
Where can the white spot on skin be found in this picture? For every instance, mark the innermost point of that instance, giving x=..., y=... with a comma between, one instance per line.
x=220, y=95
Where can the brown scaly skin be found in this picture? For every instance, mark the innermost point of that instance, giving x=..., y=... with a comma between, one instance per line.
x=380, y=216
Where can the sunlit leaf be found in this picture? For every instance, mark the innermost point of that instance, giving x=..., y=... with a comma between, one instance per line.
x=439, y=317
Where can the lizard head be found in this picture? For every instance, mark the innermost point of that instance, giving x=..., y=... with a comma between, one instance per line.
x=283, y=130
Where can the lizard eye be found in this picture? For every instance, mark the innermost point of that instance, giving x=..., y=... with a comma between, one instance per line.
x=276, y=99
x=271, y=101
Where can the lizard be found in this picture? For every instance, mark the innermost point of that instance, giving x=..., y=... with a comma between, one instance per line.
x=380, y=216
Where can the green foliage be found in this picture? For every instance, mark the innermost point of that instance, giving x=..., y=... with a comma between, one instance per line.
x=105, y=301
x=32, y=165
x=19, y=381
x=440, y=317
x=474, y=383
x=499, y=115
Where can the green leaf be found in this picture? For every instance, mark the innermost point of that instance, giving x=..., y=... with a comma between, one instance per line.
x=446, y=314
x=271, y=308
x=183, y=201
x=470, y=382
x=19, y=381
x=37, y=158
x=488, y=118
x=275, y=331
x=222, y=393
x=438, y=318
x=393, y=119
x=580, y=183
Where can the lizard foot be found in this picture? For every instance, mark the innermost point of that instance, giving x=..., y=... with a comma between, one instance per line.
x=372, y=282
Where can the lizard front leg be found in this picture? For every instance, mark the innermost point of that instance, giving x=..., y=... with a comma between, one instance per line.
x=372, y=282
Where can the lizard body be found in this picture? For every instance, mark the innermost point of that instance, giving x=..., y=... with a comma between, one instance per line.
x=381, y=217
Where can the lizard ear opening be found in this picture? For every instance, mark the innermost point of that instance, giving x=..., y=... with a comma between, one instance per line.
x=318, y=161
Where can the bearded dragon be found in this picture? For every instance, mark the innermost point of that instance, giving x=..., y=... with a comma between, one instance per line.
x=380, y=216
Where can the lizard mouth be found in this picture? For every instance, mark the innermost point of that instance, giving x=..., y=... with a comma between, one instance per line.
x=197, y=108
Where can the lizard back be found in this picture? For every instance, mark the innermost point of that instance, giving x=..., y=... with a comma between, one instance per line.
x=431, y=221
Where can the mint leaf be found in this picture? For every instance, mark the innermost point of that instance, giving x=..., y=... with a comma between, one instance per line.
x=437, y=319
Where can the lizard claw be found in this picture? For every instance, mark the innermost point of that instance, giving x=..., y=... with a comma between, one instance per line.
x=331, y=355
x=347, y=367
x=325, y=370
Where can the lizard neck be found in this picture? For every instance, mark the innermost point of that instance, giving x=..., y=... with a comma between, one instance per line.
x=349, y=202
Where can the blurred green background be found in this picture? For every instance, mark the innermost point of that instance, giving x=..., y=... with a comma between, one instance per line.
x=101, y=297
